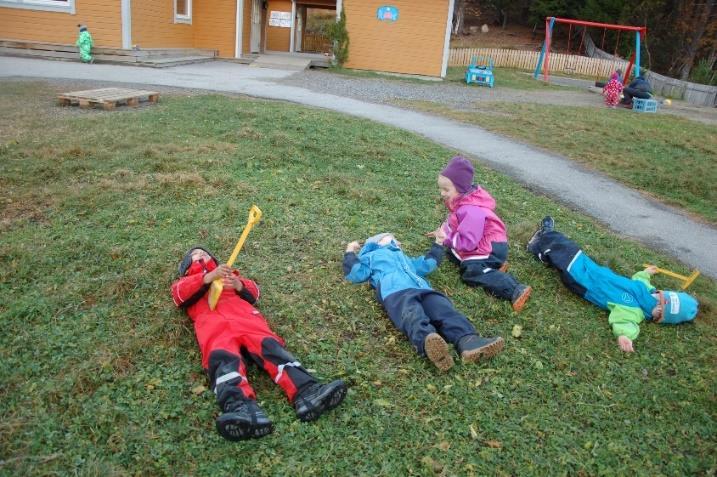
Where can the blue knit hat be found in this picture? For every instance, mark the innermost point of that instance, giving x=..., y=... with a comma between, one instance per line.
x=677, y=307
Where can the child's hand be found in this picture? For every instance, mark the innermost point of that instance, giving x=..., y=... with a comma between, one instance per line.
x=651, y=269
x=440, y=235
x=353, y=247
x=222, y=271
x=625, y=344
x=234, y=282
x=433, y=233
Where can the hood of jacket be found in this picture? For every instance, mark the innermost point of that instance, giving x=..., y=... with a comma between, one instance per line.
x=478, y=196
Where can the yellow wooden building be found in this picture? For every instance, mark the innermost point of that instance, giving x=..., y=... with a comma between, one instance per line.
x=400, y=36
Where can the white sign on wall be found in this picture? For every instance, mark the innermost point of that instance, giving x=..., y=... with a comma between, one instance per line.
x=280, y=19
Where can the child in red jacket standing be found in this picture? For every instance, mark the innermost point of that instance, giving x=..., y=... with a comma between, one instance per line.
x=475, y=235
x=235, y=331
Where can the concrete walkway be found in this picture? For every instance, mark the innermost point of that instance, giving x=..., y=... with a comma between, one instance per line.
x=622, y=209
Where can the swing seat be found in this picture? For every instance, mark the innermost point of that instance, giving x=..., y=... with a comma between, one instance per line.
x=480, y=71
x=644, y=105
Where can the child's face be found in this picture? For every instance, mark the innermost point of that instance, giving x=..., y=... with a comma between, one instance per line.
x=447, y=189
x=199, y=254
x=387, y=240
x=657, y=311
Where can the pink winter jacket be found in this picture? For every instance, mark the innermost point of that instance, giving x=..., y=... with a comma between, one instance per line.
x=473, y=225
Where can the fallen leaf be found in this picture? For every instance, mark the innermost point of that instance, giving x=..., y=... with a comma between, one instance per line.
x=517, y=331
x=382, y=403
x=444, y=445
x=494, y=444
x=197, y=390
x=474, y=433
x=431, y=388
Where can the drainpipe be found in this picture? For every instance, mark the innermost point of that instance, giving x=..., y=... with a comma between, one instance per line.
x=293, y=26
x=126, y=15
x=447, y=40
x=238, y=46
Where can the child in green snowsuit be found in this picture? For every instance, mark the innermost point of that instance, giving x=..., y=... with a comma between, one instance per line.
x=84, y=43
x=630, y=301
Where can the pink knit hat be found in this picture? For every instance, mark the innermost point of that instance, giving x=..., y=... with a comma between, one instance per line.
x=460, y=171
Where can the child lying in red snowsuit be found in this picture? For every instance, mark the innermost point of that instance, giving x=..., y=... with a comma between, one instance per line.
x=235, y=331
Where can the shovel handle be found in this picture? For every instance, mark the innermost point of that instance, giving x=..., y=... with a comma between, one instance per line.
x=667, y=272
x=254, y=217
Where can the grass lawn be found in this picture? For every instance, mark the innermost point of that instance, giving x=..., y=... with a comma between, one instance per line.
x=101, y=374
x=670, y=158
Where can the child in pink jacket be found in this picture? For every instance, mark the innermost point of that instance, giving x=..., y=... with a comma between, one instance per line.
x=475, y=235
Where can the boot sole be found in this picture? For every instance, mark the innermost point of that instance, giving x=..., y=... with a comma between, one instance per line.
x=487, y=351
x=522, y=299
x=331, y=401
x=438, y=353
x=239, y=429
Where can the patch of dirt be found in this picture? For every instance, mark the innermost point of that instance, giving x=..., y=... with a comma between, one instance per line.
x=514, y=37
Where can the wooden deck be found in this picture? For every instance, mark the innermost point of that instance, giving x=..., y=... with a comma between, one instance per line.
x=108, y=98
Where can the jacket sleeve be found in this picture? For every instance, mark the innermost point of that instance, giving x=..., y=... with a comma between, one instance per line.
x=625, y=320
x=644, y=278
x=425, y=264
x=471, y=223
x=250, y=290
x=355, y=270
x=187, y=290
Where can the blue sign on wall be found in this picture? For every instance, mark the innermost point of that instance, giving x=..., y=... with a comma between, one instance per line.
x=387, y=13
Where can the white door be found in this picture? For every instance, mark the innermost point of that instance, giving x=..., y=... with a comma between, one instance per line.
x=255, y=26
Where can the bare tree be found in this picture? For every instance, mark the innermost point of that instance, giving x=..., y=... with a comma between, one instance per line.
x=459, y=13
x=700, y=18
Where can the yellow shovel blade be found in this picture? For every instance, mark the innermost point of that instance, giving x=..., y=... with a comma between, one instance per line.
x=218, y=285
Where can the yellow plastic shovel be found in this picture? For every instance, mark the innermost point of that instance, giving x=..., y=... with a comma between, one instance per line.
x=686, y=280
x=218, y=284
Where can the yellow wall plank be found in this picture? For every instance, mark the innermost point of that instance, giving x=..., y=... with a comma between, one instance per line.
x=103, y=19
x=153, y=25
x=214, y=26
x=414, y=44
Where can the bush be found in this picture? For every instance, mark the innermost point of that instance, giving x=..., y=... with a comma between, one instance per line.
x=340, y=37
x=703, y=73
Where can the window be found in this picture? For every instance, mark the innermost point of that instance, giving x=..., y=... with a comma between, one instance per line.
x=67, y=6
x=182, y=11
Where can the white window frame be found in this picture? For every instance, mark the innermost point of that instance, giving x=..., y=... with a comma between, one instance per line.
x=67, y=6
x=183, y=18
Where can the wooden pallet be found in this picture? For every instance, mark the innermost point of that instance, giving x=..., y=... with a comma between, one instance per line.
x=108, y=98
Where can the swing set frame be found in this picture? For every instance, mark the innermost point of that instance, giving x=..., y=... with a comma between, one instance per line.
x=544, y=58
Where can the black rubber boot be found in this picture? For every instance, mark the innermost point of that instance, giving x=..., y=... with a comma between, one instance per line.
x=243, y=419
x=473, y=347
x=317, y=398
x=546, y=225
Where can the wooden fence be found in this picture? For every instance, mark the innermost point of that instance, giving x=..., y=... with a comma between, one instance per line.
x=522, y=59
x=315, y=42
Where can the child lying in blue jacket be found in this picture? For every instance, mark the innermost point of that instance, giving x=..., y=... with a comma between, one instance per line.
x=424, y=315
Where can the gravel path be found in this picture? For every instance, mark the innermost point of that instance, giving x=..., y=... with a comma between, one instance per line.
x=462, y=97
